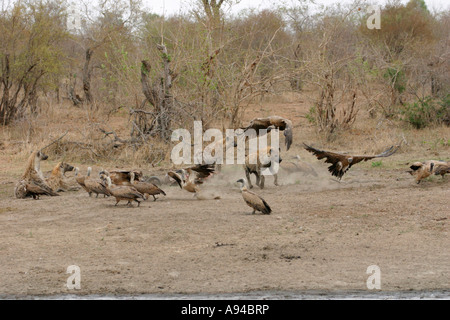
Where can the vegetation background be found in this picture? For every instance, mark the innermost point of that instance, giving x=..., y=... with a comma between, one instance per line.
x=120, y=78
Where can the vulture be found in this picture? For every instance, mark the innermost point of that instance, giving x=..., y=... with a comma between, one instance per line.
x=146, y=187
x=122, y=177
x=273, y=122
x=425, y=169
x=34, y=190
x=442, y=169
x=97, y=186
x=122, y=192
x=80, y=179
x=190, y=178
x=253, y=200
x=340, y=163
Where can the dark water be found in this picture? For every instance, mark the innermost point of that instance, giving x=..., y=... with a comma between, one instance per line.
x=263, y=295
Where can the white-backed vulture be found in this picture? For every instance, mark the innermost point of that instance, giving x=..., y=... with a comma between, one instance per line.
x=273, y=122
x=340, y=163
x=122, y=177
x=253, y=200
x=122, y=192
x=80, y=179
x=33, y=190
x=422, y=170
x=146, y=187
x=190, y=178
x=442, y=169
x=95, y=185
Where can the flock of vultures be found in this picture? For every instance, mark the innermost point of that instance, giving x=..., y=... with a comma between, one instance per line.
x=132, y=185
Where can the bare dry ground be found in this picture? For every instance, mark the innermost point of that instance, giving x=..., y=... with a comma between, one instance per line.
x=322, y=234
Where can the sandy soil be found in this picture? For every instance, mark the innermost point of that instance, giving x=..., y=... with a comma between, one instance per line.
x=322, y=235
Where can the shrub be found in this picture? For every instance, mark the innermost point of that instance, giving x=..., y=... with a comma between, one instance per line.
x=427, y=111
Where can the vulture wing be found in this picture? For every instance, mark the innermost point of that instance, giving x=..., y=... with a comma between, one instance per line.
x=274, y=121
x=175, y=176
x=202, y=171
x=386, y=153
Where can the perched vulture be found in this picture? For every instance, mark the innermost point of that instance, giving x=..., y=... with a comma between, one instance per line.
x=253, y=200
x=189, y=178
x=273, y=122
x=340, y=163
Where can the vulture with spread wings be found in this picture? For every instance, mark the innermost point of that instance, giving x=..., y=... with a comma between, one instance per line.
x=273, y=122
x=340, y=163
x=190, y=178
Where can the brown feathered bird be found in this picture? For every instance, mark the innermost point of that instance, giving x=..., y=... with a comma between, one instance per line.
x=253, y=200
x=442, y=169
x=35, y=191
x=340, y=163
x=95, y=185
x=273, y=122
x=146, y=187
x=122, y=192
x=422, y=170
x=122, y=177
x=190, y=178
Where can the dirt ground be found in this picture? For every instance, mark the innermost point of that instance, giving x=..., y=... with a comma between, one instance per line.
x=322, y=235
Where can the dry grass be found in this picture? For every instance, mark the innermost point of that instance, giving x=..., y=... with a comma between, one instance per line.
x=86, y=145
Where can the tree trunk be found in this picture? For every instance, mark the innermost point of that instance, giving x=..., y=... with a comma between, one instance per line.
x=87, y=73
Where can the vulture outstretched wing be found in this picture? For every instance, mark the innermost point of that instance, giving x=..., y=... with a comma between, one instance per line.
x=202, y=171
x=176, y=177
x=272, y=122
x=340, y=163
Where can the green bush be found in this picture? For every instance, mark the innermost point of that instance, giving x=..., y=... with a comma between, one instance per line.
x=427, y=111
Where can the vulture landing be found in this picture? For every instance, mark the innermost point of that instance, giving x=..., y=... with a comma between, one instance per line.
x=272, y=122
x=340, y=163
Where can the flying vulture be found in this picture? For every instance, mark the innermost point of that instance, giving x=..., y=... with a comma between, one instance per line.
x=340, y=163
x=273, y=122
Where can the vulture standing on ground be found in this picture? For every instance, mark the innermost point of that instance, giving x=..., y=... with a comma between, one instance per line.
x=340, y=163
x=122, y=177
x=95, y=185
x=146, y=187
x=425, y=169
x=442, y=169
x=122, y=192
x=273, y=122
x=253, y=200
